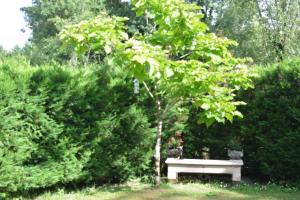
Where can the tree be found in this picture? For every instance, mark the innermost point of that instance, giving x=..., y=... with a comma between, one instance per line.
x=280, y=21
x=211, y=9
x=267, y=30
x=47, y=18
x=238, y=19
x=177, y=62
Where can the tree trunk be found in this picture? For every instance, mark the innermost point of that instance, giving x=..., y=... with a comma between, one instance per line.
x=158, y=142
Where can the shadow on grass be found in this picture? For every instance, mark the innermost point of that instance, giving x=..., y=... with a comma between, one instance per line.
x=190, y=192
x=86, y=190
x=171, y=195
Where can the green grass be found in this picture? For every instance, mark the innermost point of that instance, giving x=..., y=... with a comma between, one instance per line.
x=190, y=191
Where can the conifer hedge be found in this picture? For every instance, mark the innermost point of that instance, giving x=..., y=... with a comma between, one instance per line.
x=60, y=125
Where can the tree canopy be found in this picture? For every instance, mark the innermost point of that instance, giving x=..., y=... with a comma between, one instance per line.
x=181, y=61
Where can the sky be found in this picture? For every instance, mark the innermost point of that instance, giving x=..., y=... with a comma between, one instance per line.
x=11, y=23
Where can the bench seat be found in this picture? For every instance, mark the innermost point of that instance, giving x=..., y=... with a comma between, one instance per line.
x=176, y=166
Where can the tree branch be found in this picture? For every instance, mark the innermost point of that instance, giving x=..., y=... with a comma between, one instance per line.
x=148, y=90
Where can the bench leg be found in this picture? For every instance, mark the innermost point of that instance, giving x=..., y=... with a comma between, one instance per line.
x=172, y=175
x=236, y=174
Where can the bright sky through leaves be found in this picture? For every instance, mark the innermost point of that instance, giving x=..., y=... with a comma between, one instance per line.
x=11, y=23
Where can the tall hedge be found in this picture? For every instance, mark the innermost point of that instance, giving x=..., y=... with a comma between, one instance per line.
x=269, y=134
x=60, y=125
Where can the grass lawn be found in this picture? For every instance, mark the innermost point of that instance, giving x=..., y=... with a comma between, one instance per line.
x=190, y=191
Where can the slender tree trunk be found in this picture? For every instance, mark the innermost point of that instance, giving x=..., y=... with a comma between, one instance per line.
x=158, y=141
x=159, y=117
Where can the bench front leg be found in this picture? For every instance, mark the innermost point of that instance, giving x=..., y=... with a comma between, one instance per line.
x=236, y=174
x=172, y=174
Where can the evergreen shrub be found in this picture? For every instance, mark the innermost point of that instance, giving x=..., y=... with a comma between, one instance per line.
x=61, y=125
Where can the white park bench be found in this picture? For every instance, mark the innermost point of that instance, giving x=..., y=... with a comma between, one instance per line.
x=176, y=166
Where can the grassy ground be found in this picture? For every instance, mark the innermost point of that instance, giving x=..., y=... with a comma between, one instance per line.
x=195, y=191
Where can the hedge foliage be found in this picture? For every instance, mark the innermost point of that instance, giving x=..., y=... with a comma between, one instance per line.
x=60, y=125
x=269, y=134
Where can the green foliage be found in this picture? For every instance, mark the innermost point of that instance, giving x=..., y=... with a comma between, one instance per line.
x=272, y=132
x=95, y=34
x=269, y=132
x=60, y=125
x=239, y=20
x=266, y=30
x=46, y=19
x=135, y=24
x=126, y=150
x=178, y=56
